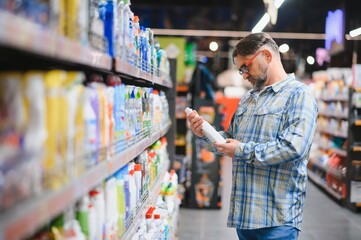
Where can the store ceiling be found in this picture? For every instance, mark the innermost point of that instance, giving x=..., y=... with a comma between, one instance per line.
x=298, y=16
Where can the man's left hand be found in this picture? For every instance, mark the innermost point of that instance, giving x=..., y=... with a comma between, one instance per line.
x=228, y=148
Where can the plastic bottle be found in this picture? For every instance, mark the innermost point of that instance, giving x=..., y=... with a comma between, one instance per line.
x=82, y=215
x=208, y=130
x=90, y=122
x=159, y=226
x=109, y=26
x=97, y=199
x=138, y=180
x=132, y=190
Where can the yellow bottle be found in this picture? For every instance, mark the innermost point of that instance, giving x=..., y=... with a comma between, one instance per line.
x=75, y=128
x=54, y=167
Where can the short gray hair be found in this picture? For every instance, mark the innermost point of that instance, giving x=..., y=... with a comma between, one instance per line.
x=252, y=42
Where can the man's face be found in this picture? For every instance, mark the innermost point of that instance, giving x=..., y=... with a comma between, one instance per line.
x=253, y=69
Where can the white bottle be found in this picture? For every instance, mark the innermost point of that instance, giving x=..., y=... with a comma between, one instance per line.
x=208, y=130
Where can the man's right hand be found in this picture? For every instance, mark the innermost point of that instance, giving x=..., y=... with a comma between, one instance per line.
x=196, y=123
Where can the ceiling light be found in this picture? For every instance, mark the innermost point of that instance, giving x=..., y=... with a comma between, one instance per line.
x=213, y=46
x=278, y=3
x=310, y=60
x=355, y=32
x=284, y=48
x=262, y=23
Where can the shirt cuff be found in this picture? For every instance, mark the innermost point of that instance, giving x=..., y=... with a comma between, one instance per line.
x=204, y=138
x=239, y=153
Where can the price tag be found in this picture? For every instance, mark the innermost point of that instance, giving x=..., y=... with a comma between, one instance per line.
x=355, y=192
x=356, y=149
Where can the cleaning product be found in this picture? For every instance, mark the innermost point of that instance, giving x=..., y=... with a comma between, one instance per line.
x=91, y=128
x=138, y=180
x=82, y=214
x=54, y=159
x=208, y=130
x=97, y=199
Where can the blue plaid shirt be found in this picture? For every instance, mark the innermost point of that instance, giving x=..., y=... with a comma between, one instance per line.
x=275, y=128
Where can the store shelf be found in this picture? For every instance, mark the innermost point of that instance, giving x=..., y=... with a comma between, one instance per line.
x=335, y=99
x=123, y=158
x=25, y=218
x=327, y=169
x=340, y=152
x=122, y=66
x=321, y=183
x=333, y=133
x=143, y=205
x=331, y=115
x=24, y=35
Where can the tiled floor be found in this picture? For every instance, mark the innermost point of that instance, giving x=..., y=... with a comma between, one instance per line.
x=323, y=218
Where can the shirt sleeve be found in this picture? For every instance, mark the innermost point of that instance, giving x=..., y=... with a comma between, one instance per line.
x=207, y=144
x=293, y=142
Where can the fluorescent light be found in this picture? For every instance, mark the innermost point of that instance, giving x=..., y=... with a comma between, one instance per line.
x=262, y=23
x=278, y=3
x=310, y=60
x=355, y=32
x=213, y=46
x=284, y=48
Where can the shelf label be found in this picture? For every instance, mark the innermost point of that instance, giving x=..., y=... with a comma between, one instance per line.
x=356, y=149
x=358, y=122
x=355, y=192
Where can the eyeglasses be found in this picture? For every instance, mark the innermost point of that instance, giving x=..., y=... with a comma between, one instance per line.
x=245, y=67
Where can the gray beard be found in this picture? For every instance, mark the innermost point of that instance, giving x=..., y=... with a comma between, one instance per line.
x=260, y=81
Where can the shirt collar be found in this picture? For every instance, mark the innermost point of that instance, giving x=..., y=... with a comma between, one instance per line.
x=276, y=87
x=279, y=85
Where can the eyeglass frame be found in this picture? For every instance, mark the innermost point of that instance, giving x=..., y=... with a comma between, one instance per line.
x=245, y=67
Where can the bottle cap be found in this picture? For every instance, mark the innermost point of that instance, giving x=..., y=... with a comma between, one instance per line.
x=188, y=110
x=137, y=167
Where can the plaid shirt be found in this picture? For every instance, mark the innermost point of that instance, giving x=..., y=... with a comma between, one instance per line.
x=275, y=128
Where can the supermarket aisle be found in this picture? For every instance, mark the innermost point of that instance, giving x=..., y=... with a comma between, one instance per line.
x=323, y=218
x=198, y=224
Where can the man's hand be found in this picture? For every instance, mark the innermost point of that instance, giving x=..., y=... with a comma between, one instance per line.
x=196, y=123
x=228, y=148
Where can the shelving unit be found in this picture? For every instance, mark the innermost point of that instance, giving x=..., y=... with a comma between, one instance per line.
x=333, y=164
x=23, y=35
x=34, y=213
x=123, y=67
x=320, y=182
x=140, y=211
x=21, y=38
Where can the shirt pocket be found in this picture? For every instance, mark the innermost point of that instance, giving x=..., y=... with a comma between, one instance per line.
x=268, y=121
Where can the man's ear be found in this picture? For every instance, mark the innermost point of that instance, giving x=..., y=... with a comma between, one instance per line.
x=268, y=55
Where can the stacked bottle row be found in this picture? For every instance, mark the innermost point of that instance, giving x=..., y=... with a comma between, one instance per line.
x=157, y=222
x=57, y=124
x=334, y=109
x=104, y=211
x=107, y=25
x=339, y=127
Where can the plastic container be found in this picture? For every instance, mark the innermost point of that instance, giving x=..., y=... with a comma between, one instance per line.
x=208, y=130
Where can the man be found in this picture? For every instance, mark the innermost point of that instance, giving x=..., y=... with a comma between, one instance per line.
x=269, y=140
